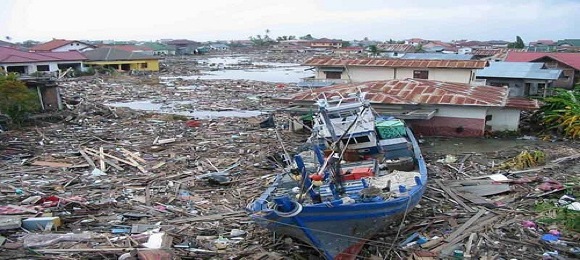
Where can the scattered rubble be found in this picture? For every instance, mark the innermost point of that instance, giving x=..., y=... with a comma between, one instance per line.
x=96, y=181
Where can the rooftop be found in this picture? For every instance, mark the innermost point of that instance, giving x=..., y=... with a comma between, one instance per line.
x=518, y=70
x=51, y=45
x=11, y=55
x=113, y=54
x=396, y=47
x=395, y=63
x=571, y=59
x=420, y=91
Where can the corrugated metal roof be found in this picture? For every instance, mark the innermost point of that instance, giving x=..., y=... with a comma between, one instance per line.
x=483, y=52
x=518, y=70
x=421, y=91
x=436, y=56
x=396, y=47
x=396, y=63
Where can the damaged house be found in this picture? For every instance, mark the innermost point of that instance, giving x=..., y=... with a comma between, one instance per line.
x=432, y=108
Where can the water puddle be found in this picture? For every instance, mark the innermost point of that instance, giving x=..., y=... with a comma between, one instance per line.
x=275, y=72
x=184, y=108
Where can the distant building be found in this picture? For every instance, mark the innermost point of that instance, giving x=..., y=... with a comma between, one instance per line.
x=368, y=69
x=395, y=50
x=219, y=47
x=436, y=56
x=160, y=49
x=184, y=47
x=325, y=43
x=60, y=45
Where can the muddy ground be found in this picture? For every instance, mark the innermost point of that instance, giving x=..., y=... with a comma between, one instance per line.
x=149, y=167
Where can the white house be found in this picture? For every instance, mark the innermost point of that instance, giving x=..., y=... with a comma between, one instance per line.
x=17, y=61
x=60, y=45
x=369, y=69
x=464, y=50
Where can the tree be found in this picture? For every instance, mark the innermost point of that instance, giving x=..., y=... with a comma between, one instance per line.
x=307, y=37
x=16, y=100
x=374, y=50
x=518, y=44
x=285, y=38
x=346, y=44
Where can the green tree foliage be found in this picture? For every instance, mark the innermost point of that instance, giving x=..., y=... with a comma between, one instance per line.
x=16, y=100
x=374, y=50
x=285, y=38
x=307, y=37
x=518, y=44
x=346, y=44
x=562, y=112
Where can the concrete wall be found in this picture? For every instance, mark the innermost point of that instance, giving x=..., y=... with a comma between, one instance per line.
x=503, y=119
x=33, y=67
x=449, y=75
x=152, y=65
x=361, y=74
x=452, y=121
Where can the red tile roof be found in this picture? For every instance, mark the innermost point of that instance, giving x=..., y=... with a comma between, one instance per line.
x=11, y=55
x=421, y=91
x=396, y=63
x=571, y=59
x=51, y=45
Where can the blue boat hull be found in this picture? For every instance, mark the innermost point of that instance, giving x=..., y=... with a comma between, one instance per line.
x=340, y=232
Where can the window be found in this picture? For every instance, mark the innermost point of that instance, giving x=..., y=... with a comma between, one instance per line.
x=488, y=117
x=333, y=74
x=42, y=68
x=421, y=74
x=143, y=65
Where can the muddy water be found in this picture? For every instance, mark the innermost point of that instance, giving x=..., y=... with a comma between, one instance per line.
x=469, y=145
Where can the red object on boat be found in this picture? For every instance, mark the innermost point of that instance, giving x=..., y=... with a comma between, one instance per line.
x=316, y=177
x=358, y=173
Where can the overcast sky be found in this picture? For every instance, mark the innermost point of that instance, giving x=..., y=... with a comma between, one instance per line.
x=350, y=19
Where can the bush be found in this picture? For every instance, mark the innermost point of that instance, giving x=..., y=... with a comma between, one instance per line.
x=16, y=100
x=562, y=112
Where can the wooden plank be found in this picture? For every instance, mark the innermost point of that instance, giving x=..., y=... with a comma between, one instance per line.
x=454, y=196
x=51, y=164
x=112, y=157
x=465, y=225
x=469, y=244
x=109, y=162
x=475, y=228
x=87, y=158
x=485, y=190
x=133, y=155
x=102, y=159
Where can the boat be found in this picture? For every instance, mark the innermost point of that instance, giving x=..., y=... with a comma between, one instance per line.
x=361, y=172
